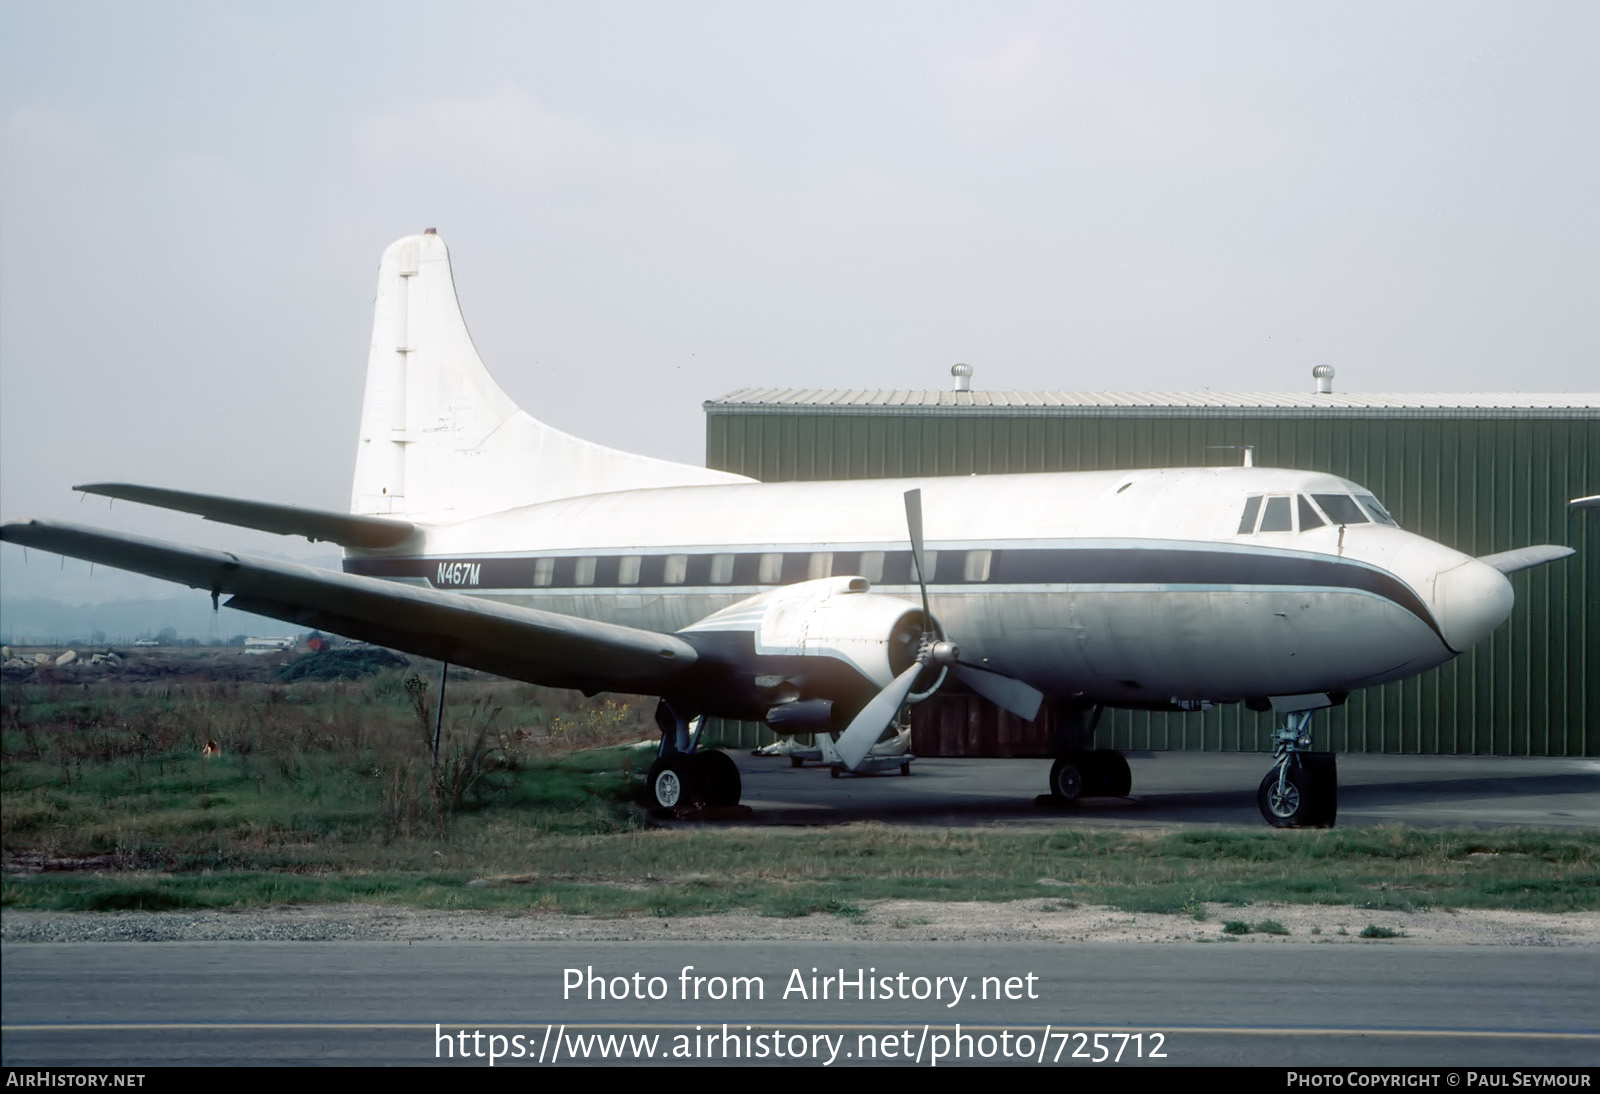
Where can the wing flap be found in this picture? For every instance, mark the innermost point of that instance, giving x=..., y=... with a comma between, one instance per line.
x=345, y=529
x=523, y=643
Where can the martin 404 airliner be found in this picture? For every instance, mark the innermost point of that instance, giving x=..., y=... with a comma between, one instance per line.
x=479, y=536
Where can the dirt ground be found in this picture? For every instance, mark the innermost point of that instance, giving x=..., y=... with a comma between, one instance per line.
x=1044, y=918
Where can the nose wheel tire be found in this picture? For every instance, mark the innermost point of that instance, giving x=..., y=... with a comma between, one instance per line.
x=1307, y=797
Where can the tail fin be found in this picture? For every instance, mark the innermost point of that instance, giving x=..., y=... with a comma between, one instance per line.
x=440, y=441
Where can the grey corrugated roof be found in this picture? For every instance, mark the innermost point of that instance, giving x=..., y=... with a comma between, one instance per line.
x=864, y=398
x=908, y=397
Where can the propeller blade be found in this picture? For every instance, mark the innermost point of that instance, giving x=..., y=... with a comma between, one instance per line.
x=914, y=524
x=1005, y=692
x=863, y=732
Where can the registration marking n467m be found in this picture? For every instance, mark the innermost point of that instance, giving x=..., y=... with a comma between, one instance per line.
x=458, y=573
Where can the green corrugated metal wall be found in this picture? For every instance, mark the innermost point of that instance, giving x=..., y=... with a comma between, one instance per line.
x=1482, y=483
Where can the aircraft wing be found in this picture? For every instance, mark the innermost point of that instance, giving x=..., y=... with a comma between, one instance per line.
x=522, y=643
x=344, y=529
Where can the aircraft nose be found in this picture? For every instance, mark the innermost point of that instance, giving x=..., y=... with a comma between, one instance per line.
x=1469, y=601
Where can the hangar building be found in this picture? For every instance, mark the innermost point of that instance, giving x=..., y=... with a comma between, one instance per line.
x=1479, y=472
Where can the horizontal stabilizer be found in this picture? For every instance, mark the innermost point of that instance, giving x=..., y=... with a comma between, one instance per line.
x=1509, y=562
x=288, y=520
x=522, y=643
x=1590, y=502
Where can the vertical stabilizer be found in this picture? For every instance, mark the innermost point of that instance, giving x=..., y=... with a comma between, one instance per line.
x=439, y=440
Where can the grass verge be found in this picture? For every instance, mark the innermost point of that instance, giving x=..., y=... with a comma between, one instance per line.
x=324, y=792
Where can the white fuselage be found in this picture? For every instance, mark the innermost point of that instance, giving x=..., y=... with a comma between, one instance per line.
x=1119, y=586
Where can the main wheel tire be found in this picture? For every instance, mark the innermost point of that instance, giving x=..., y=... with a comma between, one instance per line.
x=720, y=777
x=1067, y=781
x=1109, y=773
x=674, y=782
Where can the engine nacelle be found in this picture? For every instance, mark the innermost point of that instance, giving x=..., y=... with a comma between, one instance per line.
x=825, y=639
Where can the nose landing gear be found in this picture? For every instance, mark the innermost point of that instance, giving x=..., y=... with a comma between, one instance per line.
x=1302, y=789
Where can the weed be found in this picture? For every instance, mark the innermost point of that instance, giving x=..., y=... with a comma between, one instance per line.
x=1236, y=926
x=1372, y=930
x=844, y=910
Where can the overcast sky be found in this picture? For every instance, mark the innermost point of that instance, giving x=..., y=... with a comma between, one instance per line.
x=653, y=204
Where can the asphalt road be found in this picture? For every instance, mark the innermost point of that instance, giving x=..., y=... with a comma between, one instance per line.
x=1178, y=788
x=142, y=1004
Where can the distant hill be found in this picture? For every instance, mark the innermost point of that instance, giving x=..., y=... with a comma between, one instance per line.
x=48, y=600
x=42, y=621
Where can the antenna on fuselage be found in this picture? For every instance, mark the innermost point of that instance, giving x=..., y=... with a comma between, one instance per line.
x=1248, y=449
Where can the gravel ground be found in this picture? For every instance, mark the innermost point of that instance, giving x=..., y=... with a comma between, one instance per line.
x=893, y=920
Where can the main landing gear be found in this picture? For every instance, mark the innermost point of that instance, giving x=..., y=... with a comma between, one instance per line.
x=1101, y=773
x=684, y=778
x=1081, y=771
x=1302, y=789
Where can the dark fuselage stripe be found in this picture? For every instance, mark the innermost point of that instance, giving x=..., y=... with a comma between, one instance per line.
x=1011, y=566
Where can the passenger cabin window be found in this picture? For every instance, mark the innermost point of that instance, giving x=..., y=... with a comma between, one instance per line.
x=1309, y=517
x=821, y=565
x=583, y=573
x=628, y=570
x=1277, y=517
x=721, y=569
x=770, y=572
x=544, y=570
x=977, y=566
x=872, y=566
x=1341, y=508
x=677, y=568
x=930, y=559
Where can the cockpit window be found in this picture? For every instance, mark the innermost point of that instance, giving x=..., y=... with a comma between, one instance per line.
x=1341, y=508
x=1278, y=517
x=1308, y=515
x=1247, y=523
x=1375, y=508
